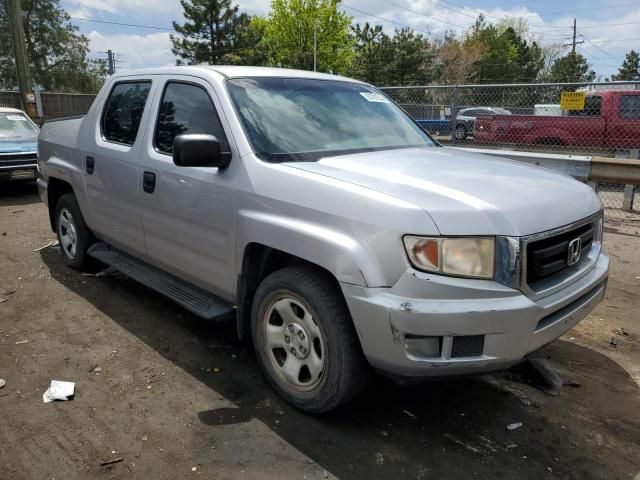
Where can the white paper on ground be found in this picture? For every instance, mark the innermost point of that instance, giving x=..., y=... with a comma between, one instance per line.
x=58, y=391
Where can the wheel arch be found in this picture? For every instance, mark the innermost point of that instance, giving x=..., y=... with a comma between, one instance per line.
x=258, y=261
x=56, y=188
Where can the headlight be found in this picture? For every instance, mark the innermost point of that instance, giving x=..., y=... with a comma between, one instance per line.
x=465, y=257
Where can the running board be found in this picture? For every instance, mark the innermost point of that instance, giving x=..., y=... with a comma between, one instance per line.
x=194, y=299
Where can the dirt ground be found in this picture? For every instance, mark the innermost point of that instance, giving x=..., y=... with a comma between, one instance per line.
x=177, y=397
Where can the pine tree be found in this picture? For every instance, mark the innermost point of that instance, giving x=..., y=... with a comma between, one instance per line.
x=573, y=67
x=630, y=69
x=373, y=53
x=212, y=33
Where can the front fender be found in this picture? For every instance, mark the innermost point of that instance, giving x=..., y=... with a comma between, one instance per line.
x=348, y=260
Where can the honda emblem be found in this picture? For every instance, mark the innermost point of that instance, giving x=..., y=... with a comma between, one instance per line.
x=574, y=251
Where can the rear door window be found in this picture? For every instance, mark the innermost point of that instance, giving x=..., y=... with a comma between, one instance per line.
x=122, y=115
x=630, y=107
x=186, y=108
x=592, y=106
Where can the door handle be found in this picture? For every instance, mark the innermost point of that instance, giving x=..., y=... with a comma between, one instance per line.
x=149, y=182
x=90, y=163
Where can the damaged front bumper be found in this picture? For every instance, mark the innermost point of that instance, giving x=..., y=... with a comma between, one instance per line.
x=433, y=325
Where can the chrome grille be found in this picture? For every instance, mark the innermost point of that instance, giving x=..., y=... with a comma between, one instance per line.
x=537, y=264
x=550, y=255
x=18, y=160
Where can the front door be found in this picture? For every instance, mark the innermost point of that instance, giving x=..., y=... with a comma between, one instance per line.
x=625, y=133
x=188, y=217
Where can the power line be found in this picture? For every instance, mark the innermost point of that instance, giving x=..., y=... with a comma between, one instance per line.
x=594, y=26
x=383, y=19
x=431, y=17
x=540, y=31
x=608, y=54
x=618, y=40
x=573, y=11
x=122, y=24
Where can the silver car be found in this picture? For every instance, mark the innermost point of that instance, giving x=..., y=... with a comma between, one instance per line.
x=319, y=217
x=466, y=119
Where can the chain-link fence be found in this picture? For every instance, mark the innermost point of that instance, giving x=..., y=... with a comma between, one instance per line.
x=612, y=195
x=54, y=105
x=579, y=118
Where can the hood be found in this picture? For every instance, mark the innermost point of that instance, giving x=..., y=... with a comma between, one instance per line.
x=18, y=144
x=466, y=193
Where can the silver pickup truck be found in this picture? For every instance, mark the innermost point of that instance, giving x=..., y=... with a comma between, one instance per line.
x=319, y=216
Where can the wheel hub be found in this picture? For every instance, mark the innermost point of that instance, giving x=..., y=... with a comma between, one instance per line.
x=295, y=343
x=297, y=340
x=68, y=233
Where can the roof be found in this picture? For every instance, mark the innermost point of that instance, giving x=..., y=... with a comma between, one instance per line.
x=236, y=71
x=10, y=110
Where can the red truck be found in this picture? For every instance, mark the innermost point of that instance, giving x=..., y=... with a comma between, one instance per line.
x=610, y=119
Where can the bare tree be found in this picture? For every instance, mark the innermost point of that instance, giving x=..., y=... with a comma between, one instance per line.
x=457, y=61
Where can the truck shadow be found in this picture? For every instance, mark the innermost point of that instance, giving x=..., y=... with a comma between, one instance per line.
x=444, y=429
x=16, y=193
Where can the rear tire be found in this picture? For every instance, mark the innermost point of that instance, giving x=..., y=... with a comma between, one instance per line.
x=460, y=132
x=305, y=341
x=74, y=236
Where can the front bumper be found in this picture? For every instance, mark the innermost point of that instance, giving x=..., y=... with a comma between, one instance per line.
x=510, y=324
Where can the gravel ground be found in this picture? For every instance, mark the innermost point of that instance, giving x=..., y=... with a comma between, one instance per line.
x=173, y=396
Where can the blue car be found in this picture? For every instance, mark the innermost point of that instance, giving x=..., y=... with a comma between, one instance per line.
x=18, y=143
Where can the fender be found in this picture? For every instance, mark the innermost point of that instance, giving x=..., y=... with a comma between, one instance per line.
x=58, y=168
x=346, y=259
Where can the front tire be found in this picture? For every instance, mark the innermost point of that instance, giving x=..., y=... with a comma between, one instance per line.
x=305, y=341
x=74, y=236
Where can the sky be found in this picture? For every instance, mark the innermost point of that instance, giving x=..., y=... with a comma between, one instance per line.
x=607, y=28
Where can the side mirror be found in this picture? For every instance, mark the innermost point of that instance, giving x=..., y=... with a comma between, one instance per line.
x=199, y=150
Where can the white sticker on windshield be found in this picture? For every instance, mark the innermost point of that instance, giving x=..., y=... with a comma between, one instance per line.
x=17, y=118
x=374, y=97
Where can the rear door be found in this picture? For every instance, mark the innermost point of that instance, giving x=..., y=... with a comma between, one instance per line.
x=111, y=167
x=188, y=216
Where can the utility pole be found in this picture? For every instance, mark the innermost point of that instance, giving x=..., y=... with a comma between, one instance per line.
x=315, y=45
x=574, y=42
x=20, y=53
x=111, y=65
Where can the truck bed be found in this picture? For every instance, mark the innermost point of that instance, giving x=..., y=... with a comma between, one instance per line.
x=536, y=130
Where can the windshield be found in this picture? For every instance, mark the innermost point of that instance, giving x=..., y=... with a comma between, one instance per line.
x=305, y=119
x=16, y=125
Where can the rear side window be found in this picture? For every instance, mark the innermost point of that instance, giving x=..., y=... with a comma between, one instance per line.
x=592, y=105
x=630, y=107
x=186, y=108
x=121, y=118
